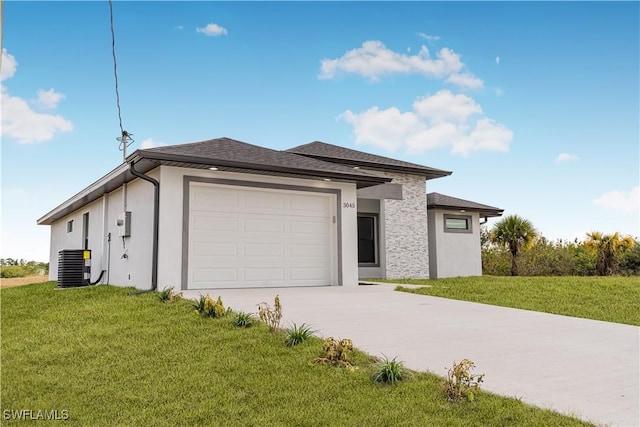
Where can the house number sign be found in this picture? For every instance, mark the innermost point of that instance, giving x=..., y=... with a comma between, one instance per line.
x=348, y=205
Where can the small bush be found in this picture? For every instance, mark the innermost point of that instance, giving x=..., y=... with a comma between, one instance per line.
x=389, y=371
x=460, y=383
x=297, y=334
x=243, y=320
x=168, y=295
x=205, y=306
x=335, y=352
x=271, y=316
x=11, y=271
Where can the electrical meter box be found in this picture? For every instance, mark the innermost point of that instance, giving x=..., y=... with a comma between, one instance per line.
x=124, y=224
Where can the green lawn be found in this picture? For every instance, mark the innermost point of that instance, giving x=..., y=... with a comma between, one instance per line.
x=113, y=359
x=612, y=299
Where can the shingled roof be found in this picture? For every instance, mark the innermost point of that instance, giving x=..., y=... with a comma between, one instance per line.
x=227, y=153
x=333, y=153
x=437, y=200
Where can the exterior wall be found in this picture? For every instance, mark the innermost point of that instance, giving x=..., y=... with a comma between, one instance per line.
x=173, y=224
x=433, y=252
x=61, y=240
x=406, y=232
x=457, y=254
x=373, y=206
x=134, y=269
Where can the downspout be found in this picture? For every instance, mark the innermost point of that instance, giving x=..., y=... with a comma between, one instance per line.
x=156, y=223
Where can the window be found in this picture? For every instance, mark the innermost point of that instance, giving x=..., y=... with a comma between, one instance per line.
x=457, y=224
x=69, y=226
x=85, y=230
x=368, y=239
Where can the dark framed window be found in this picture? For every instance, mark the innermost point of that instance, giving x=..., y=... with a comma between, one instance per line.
x=368, y=240
x=458, y=224
x=69, y=226
x=85, y=230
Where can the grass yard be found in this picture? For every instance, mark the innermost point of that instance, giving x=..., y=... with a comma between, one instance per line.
x=113, y=359
x=612, y=299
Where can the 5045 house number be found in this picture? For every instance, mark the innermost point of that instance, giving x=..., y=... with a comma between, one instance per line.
x=348, y=205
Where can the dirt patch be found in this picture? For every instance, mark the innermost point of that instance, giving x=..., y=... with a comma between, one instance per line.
x=19, y=281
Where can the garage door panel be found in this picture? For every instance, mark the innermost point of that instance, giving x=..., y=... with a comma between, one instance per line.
x=215, y=274
x=267, y=250
x=264, y=274
x=307, y=250
x=309, y=227
x=308, y=274
x=209, y=222
x=213, y=199
x=263, y=225
x=308, y=206
x=259, y=238
x=215, y=249
x=264, y=202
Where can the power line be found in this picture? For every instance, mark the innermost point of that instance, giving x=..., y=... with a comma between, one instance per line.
x=125, y=138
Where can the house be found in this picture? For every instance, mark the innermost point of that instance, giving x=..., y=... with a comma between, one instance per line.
x=226, y=214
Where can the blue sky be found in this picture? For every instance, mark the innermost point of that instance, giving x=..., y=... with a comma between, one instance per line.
x=533, y=106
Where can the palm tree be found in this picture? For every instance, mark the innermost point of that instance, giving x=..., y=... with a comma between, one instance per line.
x=516, y=234
x=607, y=247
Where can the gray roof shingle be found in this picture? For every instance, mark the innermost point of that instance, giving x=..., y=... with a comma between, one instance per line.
x=437, y=200
x=333, y=153
x=227, y=152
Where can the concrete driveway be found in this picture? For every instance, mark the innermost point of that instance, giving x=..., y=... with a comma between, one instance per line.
x=587, y=368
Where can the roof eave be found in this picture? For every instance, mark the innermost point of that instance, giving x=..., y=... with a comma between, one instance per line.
x=483, y=212
x=429, y=173
x=100, y=186
x=364, y=180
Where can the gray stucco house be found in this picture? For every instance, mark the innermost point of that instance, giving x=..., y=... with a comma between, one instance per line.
x=226, y=214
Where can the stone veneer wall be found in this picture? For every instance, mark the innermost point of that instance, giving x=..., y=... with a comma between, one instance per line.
x=406, y=229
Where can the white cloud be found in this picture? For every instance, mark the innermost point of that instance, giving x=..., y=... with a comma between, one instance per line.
x=49, y=98
x=445, y=106
x=9, y=65
x=428, y=37
x=150, y=143
x=622, y=201
x=440, y=120
x=498, y=91
x=497, y=59
x=565, y=157
x=374, y=60
x=213, y=30
x=180, y=27
x=465, y=80
x=19, y=121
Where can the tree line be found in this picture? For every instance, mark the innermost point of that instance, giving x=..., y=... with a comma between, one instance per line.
x=10, y=267
x=514, y=247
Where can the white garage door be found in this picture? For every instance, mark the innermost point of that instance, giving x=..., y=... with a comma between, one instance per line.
x=255, y=237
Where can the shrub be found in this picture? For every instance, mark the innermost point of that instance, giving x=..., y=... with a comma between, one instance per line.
x=11, y=271
x=271, y=316
x=297, y=334
x=335, y=352
x=460, y=383
x=205, y=306
x=389, y=371
x=168, y=295
x=243, y=320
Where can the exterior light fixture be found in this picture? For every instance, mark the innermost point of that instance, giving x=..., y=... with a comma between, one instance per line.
x=213, y=168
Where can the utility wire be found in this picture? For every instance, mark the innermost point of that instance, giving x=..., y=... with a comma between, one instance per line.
x=125, y=138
